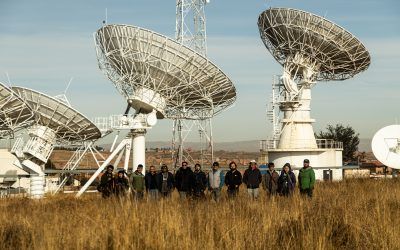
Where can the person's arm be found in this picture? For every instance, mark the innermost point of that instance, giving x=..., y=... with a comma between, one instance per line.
x=177, y=181
x=312, y=179
x=226, y=178
x=172, y=180
x=158, y=182
x=146, y=182
x=203, y=181
x=293, y=178
x=143, y=183
x=131, y=181
x=239, y=179
x=276, y=178
x=264, y=181
x=209, y=182
x=279, y=189
x=299, y=179
x=245, y=177
x=221, y=183
x=259, y=177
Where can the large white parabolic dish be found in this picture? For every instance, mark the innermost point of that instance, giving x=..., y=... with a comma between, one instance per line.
x=153, y=71
x=67, y=123
x=386, y=146
x=332, y=52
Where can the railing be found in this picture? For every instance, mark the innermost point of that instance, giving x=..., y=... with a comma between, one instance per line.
x=265, y=145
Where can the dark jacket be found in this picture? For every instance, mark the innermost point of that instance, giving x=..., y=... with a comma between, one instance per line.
x=270, y=182
x=150, y=181
x=121, y=186
x=170, y=181
x=200, y=182
x=233, y=179
x=107, y=184
x=286, y=183
x=184, y=179
x=306, y=178
x=252, y=178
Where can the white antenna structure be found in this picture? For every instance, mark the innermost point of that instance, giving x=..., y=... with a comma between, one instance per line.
x=386, y=146
x=63, y=97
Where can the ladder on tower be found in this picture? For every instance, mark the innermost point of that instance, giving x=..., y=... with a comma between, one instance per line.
x=273, y=109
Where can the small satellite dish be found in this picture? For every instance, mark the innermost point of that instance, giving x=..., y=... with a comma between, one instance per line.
x=386, y=146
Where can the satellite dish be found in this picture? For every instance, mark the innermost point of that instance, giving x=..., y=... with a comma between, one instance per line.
x=15, y=113
x=386, y=146
x=310, y=48
x=153, y=71
x=53, y=121
x=67, y=123
x=160, y=78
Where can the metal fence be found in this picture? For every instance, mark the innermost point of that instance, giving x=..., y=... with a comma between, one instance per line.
x=265, y=145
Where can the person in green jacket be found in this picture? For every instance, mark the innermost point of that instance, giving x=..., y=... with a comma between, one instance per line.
x=306, y=179
x=137, y=183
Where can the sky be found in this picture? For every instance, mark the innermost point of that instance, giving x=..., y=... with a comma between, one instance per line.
x=43, y=43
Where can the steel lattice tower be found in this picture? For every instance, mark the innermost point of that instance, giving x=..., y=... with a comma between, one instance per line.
x=191, y=24
x=190, y=30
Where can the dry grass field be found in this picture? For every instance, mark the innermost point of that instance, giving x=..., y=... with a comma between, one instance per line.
x=354, y=214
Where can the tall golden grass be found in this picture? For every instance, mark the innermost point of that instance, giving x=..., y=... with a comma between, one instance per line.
x=363, y=214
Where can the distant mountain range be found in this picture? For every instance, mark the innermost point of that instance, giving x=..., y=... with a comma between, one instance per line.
x=246, y=146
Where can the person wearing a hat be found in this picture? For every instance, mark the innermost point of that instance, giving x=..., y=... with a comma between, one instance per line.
x=270, y=182
x=165, y=182
x=252, y=178
x=215, y=182
x=138, y=183
x=287, y=181
x=306, y=179
x=107, y=182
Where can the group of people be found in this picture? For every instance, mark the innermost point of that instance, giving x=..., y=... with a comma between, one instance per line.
x=194, y=184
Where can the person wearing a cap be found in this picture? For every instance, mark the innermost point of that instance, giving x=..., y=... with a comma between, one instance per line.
x=270, y=180
x=306, y=179
x=165, y=182
x=107, y=182
x=287, y=181
x=137, y=183
x=252, y=178
x=214, y=182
